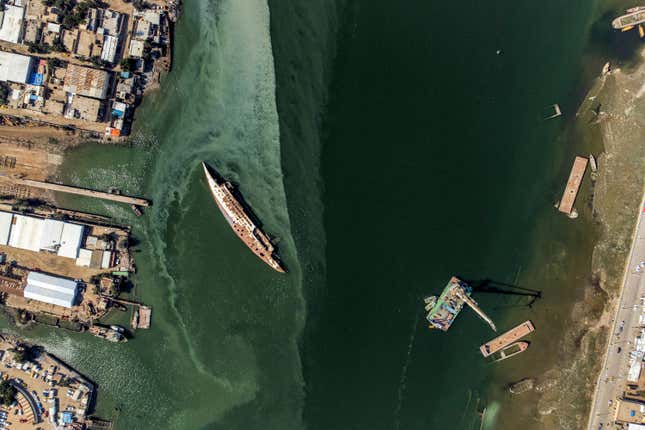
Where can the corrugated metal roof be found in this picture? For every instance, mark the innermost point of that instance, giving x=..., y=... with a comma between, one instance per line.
x=50, y=289
x=5, y=227
x=48, y=296
x=26, y=232
x=14, y=67
x=51, y=282
x=86, y=81
x=11, y=28
x=70, y=240
x=107, y=258
x=52, y=232
x=84, y=257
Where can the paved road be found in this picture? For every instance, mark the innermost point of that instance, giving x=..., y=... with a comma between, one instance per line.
x=612, y=379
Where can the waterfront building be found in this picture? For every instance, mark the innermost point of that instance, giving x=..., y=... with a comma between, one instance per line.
x=50, y=289
x=38, y=234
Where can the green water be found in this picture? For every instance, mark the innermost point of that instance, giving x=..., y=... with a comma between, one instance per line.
x=389, y=146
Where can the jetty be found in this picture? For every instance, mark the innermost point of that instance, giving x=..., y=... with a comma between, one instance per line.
x=507, y=338
x=82, y=192
x=573, y=185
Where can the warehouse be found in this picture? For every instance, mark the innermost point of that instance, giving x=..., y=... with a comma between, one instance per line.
x=11, y=23
x=15, y=67
x=50, y=289
x=26, y=232
x=70, y=240
x=6, y=219
x=86, y=81
x=37, y=234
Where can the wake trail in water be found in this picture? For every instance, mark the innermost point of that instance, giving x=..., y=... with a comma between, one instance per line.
x=404, y=374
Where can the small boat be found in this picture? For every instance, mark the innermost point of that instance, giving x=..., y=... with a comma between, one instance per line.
x=641, y=32
x=511, y=350
x=107, y=334
x=521, y=386
x=552, y=111
x=592, y=163
x=629, y=27
x=117, y=328
x=606, y=68
x=136, y=210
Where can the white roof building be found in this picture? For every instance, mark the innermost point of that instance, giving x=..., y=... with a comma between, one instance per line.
x=152, y=16
x=50, y=238
x=136, y=48
x=108, y=53
x=15, y=67
x=37, y=234
x=26, y=232
x=6, y=219
x=50, y=289
x=70, y=240
x=84, y=257
x=11, y=23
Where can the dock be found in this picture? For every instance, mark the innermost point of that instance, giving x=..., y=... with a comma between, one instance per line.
x=573, y=185
x=141, y=314
x=82, y=192
x=507, y=338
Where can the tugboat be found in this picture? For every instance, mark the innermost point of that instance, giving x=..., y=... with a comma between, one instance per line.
x=107, y=334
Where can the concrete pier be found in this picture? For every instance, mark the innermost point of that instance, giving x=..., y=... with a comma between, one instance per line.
x=82, y=192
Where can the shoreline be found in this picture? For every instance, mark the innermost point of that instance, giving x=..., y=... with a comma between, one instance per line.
x=614, y=215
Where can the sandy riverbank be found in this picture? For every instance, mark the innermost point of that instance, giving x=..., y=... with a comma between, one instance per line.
x=611, y=119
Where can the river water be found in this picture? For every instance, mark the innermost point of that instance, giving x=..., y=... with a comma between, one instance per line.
x=388, y=145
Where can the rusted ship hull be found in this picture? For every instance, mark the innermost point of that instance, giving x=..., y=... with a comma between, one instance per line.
x=243, y=226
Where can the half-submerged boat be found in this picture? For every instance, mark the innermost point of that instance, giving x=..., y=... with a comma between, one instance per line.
x=510, y=350
x=241, y=223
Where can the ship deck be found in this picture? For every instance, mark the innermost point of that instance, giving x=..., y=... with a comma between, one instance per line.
x=507, y=338
x=448, y=305
x=628, y=20
x=573, y=185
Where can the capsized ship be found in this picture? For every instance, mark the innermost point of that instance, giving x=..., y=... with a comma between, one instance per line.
x=443, y=310
x=241, y=223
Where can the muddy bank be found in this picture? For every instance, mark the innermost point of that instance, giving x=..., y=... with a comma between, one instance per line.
x=611, y=124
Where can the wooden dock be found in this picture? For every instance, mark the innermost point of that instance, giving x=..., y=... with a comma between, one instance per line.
x=507, y=338
x=573, y=184
x=82, y=192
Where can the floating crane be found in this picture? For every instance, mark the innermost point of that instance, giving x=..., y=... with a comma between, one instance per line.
x=443, y=310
